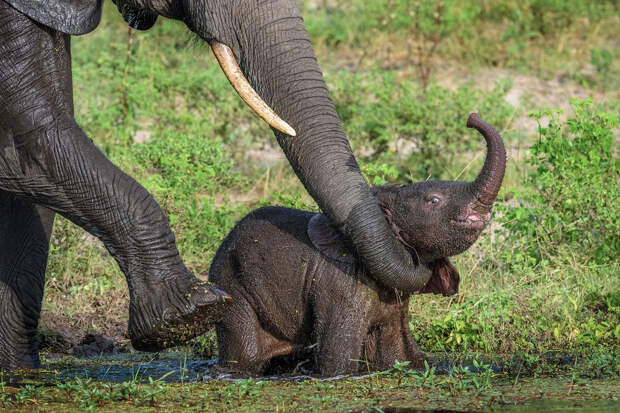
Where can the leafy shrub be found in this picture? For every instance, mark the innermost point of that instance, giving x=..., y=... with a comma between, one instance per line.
x=532, y=310
x=378, y=174
x=185, y=174
x=574, y=189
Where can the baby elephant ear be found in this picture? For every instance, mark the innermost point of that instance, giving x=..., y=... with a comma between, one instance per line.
x=328, y=240
x=444, y=280
x=136, y=18
x=67, y=16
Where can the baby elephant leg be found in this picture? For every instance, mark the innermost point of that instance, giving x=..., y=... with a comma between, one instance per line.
x=393, y=342
x=243, y=344
x=413, y=352
x=24, y=241
x=340, y=342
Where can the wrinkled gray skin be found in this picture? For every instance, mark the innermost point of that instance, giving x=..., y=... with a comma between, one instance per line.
x=48, y=165
x=296, y=285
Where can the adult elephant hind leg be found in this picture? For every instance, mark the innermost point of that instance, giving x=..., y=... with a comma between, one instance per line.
x=24, y=241
x=46, y=158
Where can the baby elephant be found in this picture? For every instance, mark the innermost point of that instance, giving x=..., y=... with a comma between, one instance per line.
x=297, y=286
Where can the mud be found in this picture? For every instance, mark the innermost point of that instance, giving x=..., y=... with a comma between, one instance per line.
x=60, y=335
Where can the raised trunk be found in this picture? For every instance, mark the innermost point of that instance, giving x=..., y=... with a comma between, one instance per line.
x=486, y=185
x=275, y=54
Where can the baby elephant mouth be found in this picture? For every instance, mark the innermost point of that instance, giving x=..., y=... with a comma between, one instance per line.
x=473, y=221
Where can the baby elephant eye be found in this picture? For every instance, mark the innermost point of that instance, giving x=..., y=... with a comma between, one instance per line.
x=433, y=201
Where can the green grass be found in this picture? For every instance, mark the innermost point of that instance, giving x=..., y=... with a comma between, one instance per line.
x=521, y=292
x=538, y=37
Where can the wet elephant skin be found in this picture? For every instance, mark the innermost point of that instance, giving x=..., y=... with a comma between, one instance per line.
x=298, y=285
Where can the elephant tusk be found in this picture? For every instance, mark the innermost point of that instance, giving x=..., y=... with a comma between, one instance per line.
x=233, y=72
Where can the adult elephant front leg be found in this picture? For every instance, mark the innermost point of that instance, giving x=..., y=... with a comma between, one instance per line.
x=168, y=305
x=45, y=158
x=24, y=241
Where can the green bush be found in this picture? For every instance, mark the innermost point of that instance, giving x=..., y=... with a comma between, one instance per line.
x=573, y=192
x=548, y=308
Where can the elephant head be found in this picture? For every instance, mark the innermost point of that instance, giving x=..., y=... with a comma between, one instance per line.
x=438, y=219
x=433, y=219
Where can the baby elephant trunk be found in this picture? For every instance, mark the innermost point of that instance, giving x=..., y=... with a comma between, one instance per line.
x=487, y=184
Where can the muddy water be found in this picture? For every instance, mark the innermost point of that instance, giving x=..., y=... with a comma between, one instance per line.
x=119, y=369
x=178, y=367
x=122, y=368
x=169, y=371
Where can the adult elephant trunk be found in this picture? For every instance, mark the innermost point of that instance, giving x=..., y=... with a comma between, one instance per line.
x=488, y=182
x=271, y=45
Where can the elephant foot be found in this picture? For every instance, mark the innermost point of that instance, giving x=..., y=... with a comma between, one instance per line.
x=194, y=313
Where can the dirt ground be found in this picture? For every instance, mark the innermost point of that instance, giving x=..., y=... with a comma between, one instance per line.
x=90, y=333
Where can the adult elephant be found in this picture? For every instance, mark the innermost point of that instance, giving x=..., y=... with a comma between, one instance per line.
x=48, y=165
